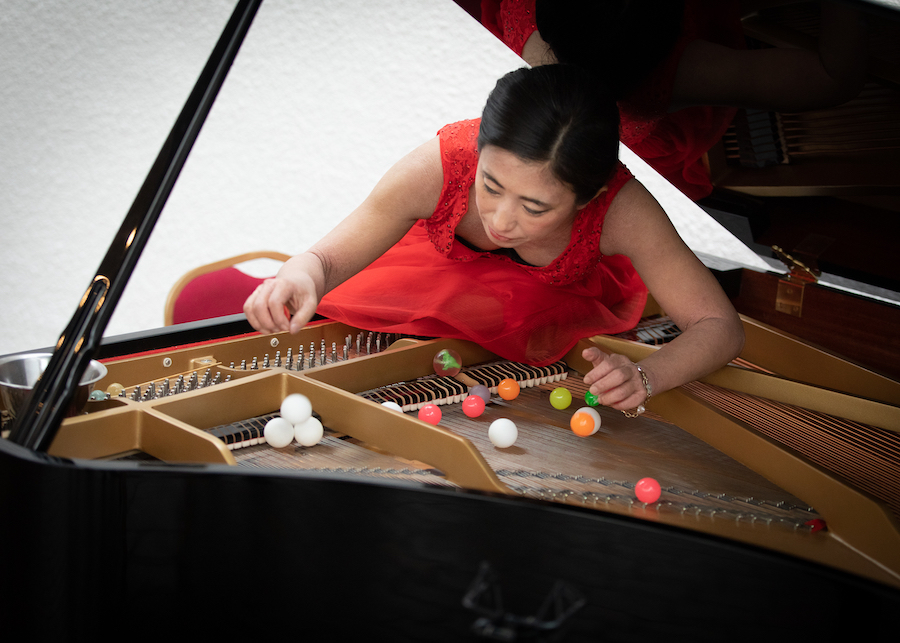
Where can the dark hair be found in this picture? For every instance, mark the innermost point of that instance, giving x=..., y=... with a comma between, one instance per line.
x=622, y=39
x=560, y=115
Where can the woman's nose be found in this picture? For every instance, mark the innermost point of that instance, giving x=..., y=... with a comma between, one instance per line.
x=504, y=217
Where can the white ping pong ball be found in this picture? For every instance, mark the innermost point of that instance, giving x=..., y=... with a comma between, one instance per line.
x=296, y=408
x=503, y=433
x=309, y=433
x=278, y=432
x=393, y=406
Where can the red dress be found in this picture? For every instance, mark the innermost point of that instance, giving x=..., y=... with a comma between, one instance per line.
x=431, y=283
x=674, y=144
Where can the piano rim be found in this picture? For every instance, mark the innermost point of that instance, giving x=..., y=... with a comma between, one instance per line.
x=835, y=538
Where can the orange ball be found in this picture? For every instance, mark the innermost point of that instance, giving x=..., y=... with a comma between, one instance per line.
x=508, y=389
x=585, y=422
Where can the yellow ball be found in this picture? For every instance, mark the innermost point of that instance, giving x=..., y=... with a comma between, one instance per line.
x=560, y=398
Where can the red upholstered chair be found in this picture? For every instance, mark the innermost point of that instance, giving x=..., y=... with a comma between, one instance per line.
x=214, y=290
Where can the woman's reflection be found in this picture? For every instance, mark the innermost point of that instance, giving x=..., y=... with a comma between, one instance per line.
x=680, y=69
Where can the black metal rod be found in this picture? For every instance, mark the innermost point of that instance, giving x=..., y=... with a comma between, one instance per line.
x=38, y=421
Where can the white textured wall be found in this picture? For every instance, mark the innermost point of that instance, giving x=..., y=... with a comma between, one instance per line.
x=322, y=99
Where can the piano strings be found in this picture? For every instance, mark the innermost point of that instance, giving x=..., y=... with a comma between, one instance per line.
x=549, y=462
x=868, y=456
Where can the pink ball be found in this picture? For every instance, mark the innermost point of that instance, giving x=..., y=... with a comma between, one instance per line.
x=473, y=406
x=430, y=413
x=647, y=490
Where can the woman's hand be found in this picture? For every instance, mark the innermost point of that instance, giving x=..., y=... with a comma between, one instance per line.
x=615, y=380
x=287, y=301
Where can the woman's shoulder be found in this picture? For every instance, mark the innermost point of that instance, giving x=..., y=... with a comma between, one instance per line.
x=633, y=216
x=602, y=203
x=459, y=160
x=413, y=184
x=460, y=138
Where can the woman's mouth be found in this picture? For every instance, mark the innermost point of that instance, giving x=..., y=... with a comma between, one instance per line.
x=499, y=237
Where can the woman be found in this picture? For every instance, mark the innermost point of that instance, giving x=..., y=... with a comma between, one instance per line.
x=680, y=69
x=521, y=232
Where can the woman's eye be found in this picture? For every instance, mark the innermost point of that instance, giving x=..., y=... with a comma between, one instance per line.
x=533, y=213
x=490, y=190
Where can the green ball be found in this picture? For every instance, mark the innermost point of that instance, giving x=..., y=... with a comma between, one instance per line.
x=560, y=398
x=591, y=399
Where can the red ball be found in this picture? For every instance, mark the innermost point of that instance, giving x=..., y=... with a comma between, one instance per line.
x=473, y=406
x=647, y=490
x=430, y=413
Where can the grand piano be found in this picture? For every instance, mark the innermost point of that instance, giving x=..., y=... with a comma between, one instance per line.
x=159, y=509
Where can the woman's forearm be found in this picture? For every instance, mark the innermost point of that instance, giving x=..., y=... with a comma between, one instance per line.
x=701, y=349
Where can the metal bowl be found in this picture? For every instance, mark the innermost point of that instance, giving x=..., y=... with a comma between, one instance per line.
x=19, y=373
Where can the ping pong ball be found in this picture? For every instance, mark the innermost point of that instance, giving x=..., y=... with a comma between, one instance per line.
x=309, y=433
x=430, y=413
x=473, y=406
x=503, y=433
x=481, y=391
x=278, y=432
x=647, y=490
x=508, y=389
x=585, y=421
x=560, y=398
x=393, y=406
x=296, y=408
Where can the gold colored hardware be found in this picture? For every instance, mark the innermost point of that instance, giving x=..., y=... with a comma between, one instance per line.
x=789, y=296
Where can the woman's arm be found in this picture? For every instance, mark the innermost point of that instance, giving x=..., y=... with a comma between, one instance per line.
x=407, y=192
x=712, y=333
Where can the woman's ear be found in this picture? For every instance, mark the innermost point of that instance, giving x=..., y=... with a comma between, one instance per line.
x=599, y=192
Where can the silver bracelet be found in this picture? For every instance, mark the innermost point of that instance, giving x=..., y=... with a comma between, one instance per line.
x=640, y=408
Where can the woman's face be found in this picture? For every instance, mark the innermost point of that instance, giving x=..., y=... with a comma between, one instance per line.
x=520, y=202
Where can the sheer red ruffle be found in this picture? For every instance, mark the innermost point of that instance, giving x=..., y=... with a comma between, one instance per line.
x=490, y=300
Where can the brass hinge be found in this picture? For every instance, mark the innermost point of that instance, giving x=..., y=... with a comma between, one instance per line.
x=789, y=297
